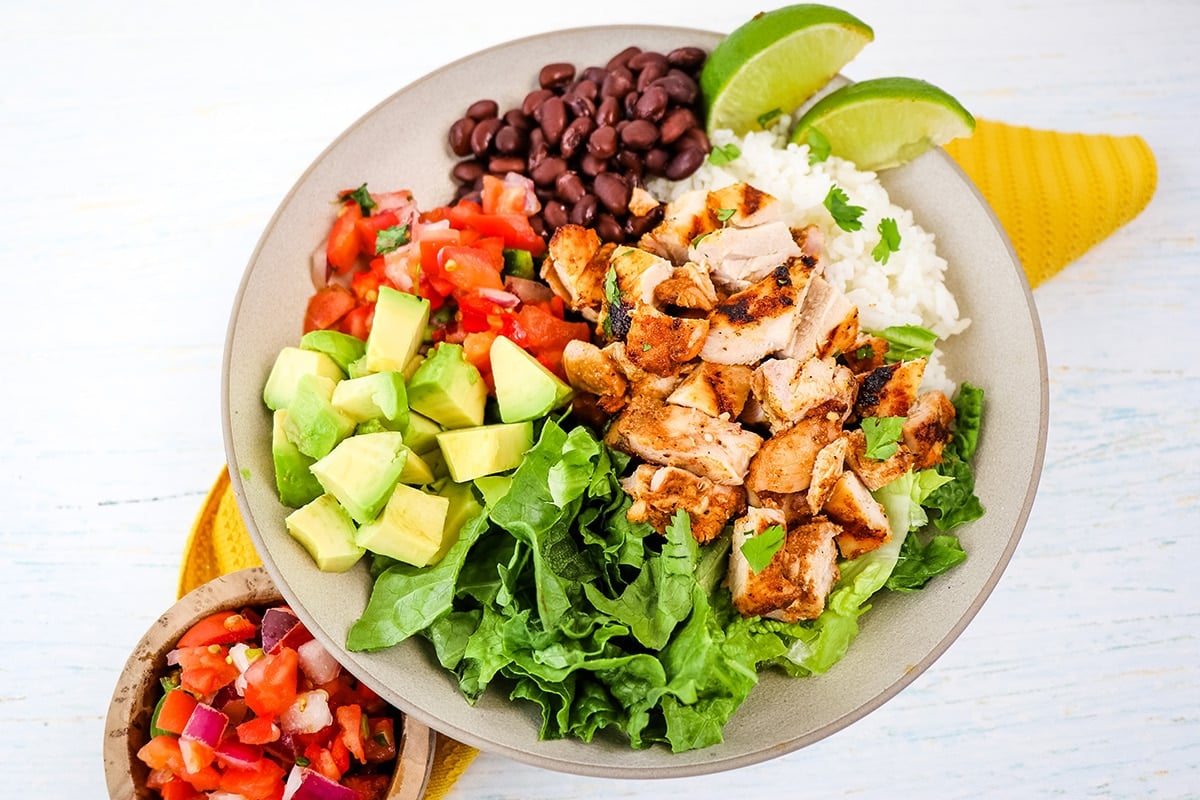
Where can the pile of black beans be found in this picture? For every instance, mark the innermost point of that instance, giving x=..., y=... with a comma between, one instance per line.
x=588, y=138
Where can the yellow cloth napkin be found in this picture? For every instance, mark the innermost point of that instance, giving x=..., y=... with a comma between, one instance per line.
x=1056, y=194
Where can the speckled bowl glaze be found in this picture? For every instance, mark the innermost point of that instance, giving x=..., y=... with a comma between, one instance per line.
x=401, y=143
x=128, y=724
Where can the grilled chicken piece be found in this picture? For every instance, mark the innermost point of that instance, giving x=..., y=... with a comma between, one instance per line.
x=736, y=258
x=658, y=492
x=788, y=389
x=797, y=582
x=638, y=273
x=575, y=265
x=682, y=437
x=688, y=287
x=684, y=218
x=642, y=202
x=749, y=205
x=750, y=325
x=784, y=463
x=590, y=369
x=719, y=390
x=827, y=323
x=828, y=467
x=927, y=428
x=890, y=390
x=810, y=240
x=661, y=344
x=867, y=353
x=794, y=506
x=641, y=383
x=872, y=471
x=864, y=522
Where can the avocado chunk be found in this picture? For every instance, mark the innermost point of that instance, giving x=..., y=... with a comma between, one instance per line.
x=326, y=531
x=362, y=471
x=448, y=389
x=463, y=508
x=417, y=471
x=485, y=450
x=380, y=395
x=397, y=330
x=493, y=487
x=294, y=481
x=525, y=389
x=410, y=529
x=420, y=434
x=290, y=364
x=343, y=348
x=312, y=423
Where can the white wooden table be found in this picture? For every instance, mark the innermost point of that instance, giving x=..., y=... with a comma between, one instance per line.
x=145, y=146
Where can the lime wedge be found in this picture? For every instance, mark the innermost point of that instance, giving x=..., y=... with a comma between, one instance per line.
x=884, y=122
x=775, y=61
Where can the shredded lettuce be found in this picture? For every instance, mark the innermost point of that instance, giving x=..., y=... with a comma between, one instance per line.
x=955, y=502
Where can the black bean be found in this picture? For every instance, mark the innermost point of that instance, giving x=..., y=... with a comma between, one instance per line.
x=609, y=111
x=622, y=58
x=603, y=142
x=467, y=172
x=555, y=214
x=580, y=106
x=549, y=168
x=612, y=191
x=676, y=123
x=650, y=74
x=652, y=104
x=629, y=103
x=592, y=165
x=680, y=86
x=640, y=134
x=502, y=165
x=534, y=99
x=594, y=74
x=617, y=83
x=584, y=212
x=684, y=163
x=483, y=109
x=656, y=160
x=553, y=119
x=474, y=197
x=510, y=140
x=518, y=119
x=557, y=75
x=586, y=87
x=689, y=59
x=569, y=187
x=482, y=135
x=636, y=226
x=460, y=136
x=538, y=224
x=694, y=137
x=608, y=229
x=645, y=59
x=631, y=162
x=576, y=135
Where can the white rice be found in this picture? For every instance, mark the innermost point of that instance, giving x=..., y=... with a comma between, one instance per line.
x=908, y=290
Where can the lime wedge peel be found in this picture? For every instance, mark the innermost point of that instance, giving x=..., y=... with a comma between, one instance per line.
x=885, y=122
x=776, y=61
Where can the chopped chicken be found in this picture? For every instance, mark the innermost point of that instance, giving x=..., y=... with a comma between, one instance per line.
x=827, y=323
x=719, y=390
x=575, y=265
x=641, y=383
x=784, y=463
x=890, y=390
x=684, y=218
x=638, y=273
x=927, y=428
x=867, y=353
x=798, y=580
x=688, y=287
x=590, y=369
x=746, y=205
x=738, y=257
x=794, y=506
x=811, y=241
x=641, y=202
x=788, y=389
x=875, y=472
x=660, y=343
x=752, y=324
x=828, y=467
x=864, y=522
x=676, y=436
x=658, y=492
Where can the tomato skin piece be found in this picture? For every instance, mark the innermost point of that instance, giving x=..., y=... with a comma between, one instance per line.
x=358, y=322
x=344, y=245
x=223, y=627
x=162, y=752
x=271, y=682
x=328, y=305
x=176, y=708
x=261, y=782
x=179, y=789
x=205, y=669
x=380, y=744
x=349, y=720
x=260, y=730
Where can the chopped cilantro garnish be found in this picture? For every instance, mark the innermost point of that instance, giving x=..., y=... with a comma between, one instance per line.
x=616, y=316
x=906, y=342
x=699, y=238
x=864, y=352
x=760, y=549
x=723, y=154
x=889, y=240
x=390, y=239
x=845, y=215
x=724, y=214
x=882, y=435
x=301, y=761
x=360, y=196
x=766, y=117
x=646, y=346
x=818, y=146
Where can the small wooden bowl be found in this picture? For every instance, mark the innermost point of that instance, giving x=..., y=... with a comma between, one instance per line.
x=128, y=724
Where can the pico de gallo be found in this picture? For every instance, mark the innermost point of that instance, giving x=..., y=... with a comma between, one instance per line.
x=254, y=708
x=475, y=262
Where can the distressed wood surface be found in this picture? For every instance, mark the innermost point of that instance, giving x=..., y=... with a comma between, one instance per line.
x=147, y=145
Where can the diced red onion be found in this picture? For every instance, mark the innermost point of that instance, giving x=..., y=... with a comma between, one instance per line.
x=239, y=754
x=309, y=714
x=281, y=627
x=532, y=204
x=396, y=266
x=529, y=291
x=307, y=784
x=320, y=268
x=317, y=663
x=173, y=658
x=499, y=297
x=205, y=725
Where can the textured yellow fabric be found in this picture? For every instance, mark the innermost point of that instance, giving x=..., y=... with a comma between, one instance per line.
x=1056, y=194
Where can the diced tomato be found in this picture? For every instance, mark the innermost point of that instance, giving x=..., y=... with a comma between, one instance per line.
x=541, y=331
x=179, y=789
x=260, y=730
x=327, y=306
x=162, y=752
x=205, y=669
x=177, y=706
x=368, y=229
x=358, y=321
x=197, y=756
x=321, y=760
x=261, y=782
x=271, y=683
x=223, y=627
x=340, y=754
x=349, y=720
x=380, y=744
x=365, y=283
x=461, y=213
x=344, y=245
x=502, y=198
x=369, y=787
x=514, y=229
x=204, y=779
x=477, y=349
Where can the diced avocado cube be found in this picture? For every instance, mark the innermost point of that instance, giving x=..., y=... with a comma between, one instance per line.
x=410, y=368
x=417, y=471
x=312, y=423
x=326, y=531
x=380, y=395
x=485, y=450
x=370, y=426
x=525, y=389
x=436, y=462
x=362, y=471
x=294, y=481
x=463, y=508
x=357, y=368
x=448, y=389
x=420, y=434
x=410, y=529
x=290, y=364
x=493, y=487
x=343, y=348
x=397, y=330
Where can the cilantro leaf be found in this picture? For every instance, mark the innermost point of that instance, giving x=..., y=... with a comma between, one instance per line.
x=699, y=239
x=906, y=342
x=616, y=316
x=882, y=435
x=845, y=215
x=390, y=239
x=760, y=549
x=724, y=214
x=889, y=240
x=767, y=117
x=723, y=154
x=818, y=146
x=864, y=352
x=360, y=196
